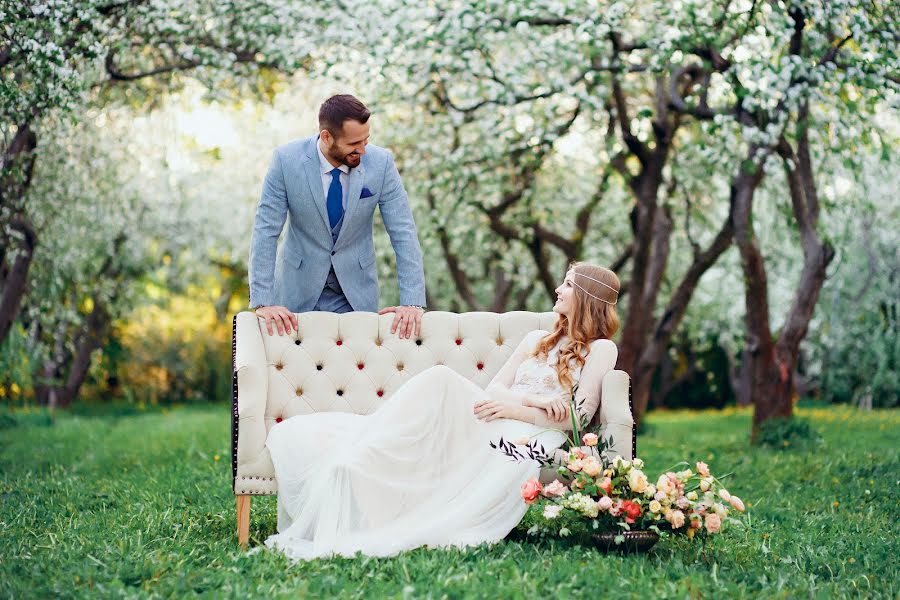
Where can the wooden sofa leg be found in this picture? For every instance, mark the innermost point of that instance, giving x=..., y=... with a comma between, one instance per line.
x=243, y=519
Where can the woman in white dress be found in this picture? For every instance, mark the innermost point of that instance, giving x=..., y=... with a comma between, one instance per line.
x=420, y=470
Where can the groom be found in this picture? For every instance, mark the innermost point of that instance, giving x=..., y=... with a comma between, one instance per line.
x=327, y=187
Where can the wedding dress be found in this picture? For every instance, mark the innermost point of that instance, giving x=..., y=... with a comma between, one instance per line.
x=419, y=471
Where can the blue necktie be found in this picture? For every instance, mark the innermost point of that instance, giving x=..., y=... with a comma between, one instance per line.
x=335, y=202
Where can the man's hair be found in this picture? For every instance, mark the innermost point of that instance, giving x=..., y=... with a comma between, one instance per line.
x=338, y=109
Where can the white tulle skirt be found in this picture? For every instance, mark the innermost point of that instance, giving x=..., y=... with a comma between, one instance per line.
x=417, y=472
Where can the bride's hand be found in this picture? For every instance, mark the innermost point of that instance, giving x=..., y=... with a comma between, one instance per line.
x=488, y=410
x=557, y=408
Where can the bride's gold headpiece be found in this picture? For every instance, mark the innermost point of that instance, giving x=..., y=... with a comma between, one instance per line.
x=601, y=283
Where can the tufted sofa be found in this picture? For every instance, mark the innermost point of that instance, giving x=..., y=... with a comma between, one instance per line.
x=352, y=363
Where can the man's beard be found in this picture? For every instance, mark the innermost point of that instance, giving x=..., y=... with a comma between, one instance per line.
x=351, y=160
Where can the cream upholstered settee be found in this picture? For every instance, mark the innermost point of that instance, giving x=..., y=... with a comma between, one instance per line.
x=351, y=362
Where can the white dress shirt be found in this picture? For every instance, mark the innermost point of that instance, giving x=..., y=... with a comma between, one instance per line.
x=327, y=168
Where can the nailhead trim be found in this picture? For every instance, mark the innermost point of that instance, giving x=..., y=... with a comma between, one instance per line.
x=234, y=401
x=633, y=423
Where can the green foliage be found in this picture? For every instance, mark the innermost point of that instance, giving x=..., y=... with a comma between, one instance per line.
x=784, y=433
x=10, y=418
x=141, y=506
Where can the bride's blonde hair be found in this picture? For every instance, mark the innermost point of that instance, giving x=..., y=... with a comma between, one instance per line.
x=593, y=316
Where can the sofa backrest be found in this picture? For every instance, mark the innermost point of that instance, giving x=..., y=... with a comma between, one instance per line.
x=353, y=363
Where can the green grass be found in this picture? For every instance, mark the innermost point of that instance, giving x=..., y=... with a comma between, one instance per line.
x=140, y=505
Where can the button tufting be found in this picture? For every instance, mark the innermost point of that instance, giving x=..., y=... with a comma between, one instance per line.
x=360, y=366
x=278, y=419
x=418, y=342
x=299, y=391
x=340, y=392
x=480, y=366
x=279, y=366
x=378, y=342
x=458, y=341
x=318, y=367
x=399, y=366
x=380, y=393
x=340, y=342
x=499, y=342
x=297, y=342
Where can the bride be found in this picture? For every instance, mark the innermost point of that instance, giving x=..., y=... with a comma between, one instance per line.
x=419, y=471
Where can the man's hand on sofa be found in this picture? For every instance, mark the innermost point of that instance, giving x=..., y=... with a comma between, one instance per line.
x=284, y=320
x=408, y=319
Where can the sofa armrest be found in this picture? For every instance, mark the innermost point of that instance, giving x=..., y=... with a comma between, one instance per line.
x=250, y=390
x=615, y=413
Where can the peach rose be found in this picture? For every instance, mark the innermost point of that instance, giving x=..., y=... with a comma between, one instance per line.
x=605, y=484
x=579, y=453
x=554, y=489
x=575, y=465
x=531, y=489
x=682, y=502
x=665, y=486
x=703, y=469
x=737, y=503
x=655, y=506
x=676, y=518
x=590, y=439
x=713, y=523
x=723, y=493
x=592, y=467
x=637, y=481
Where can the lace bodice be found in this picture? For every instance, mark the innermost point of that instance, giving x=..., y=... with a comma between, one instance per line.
x=525, y=375
x=538, y=376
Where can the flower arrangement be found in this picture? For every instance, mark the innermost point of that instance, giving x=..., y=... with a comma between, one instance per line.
x=596, y=495
x=603, y=496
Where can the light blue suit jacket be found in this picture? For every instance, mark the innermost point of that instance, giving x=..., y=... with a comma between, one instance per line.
x=295, y=275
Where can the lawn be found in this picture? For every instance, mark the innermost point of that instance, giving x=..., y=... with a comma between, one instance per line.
x=141, y=505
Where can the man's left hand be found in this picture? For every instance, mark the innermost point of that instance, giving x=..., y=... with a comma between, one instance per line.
x=407, y=319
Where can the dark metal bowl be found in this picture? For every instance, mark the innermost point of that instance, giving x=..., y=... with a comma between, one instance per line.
x=635, y=541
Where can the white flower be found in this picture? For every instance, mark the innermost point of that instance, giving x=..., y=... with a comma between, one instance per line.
x=551, y=511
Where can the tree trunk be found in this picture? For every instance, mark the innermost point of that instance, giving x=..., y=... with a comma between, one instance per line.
x=15, y=178
x=94, y=330
x=15, y=280
x=739, y=377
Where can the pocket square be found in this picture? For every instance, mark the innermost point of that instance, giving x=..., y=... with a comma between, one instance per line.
x=366, y=193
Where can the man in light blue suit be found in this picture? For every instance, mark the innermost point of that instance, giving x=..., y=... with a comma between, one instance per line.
x=327, y=187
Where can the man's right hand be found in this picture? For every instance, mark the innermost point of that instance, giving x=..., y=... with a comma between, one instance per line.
x=284, y=320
